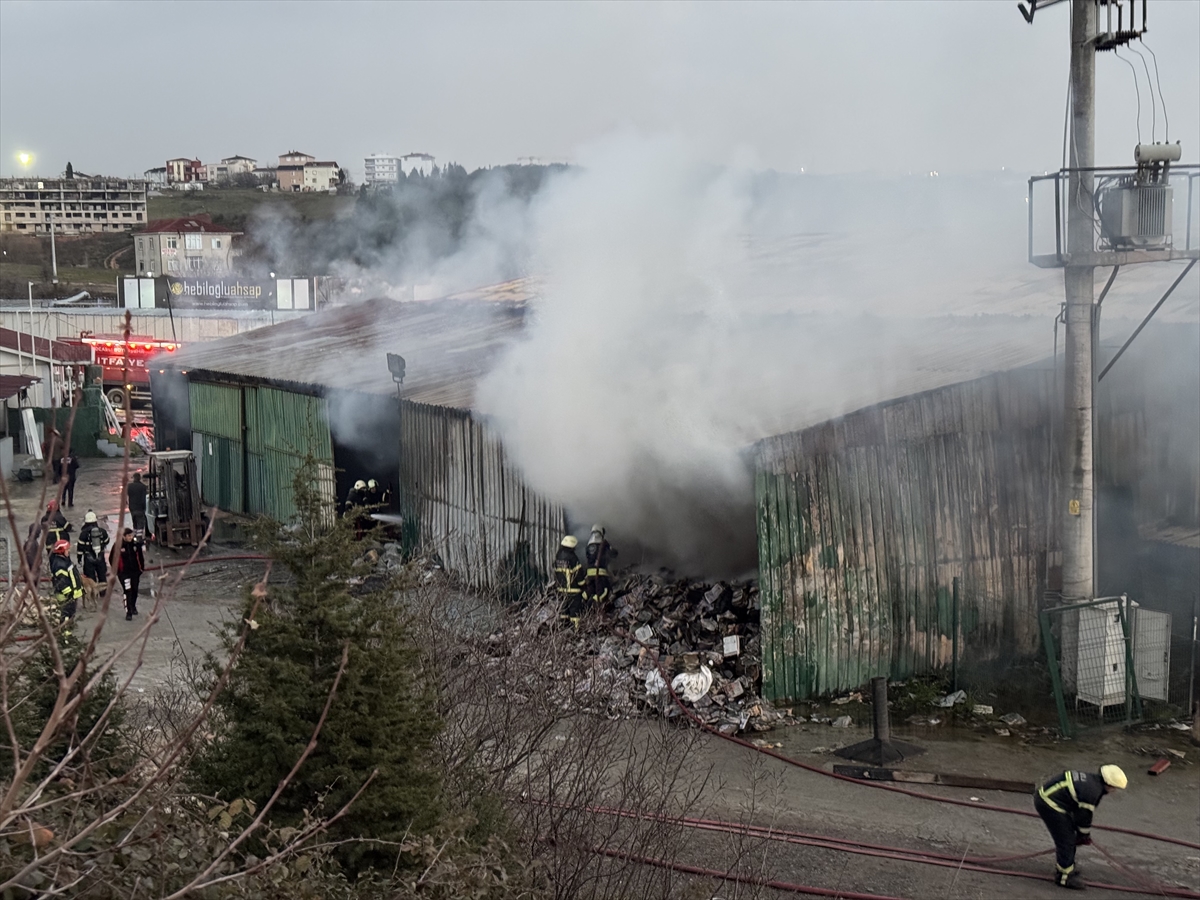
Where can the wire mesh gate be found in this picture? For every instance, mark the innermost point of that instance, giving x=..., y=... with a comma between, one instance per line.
x=1106, y=657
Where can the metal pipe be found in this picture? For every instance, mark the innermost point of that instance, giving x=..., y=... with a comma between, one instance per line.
x=879, y=711
x=954, y=636
x=1146, y=321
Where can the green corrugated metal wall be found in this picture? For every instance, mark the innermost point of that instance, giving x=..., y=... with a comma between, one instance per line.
x=282, y=428
x=864, y=522
x=217, y=443
x=252, y=470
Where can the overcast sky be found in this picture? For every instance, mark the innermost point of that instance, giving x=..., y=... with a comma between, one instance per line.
x=887, y=87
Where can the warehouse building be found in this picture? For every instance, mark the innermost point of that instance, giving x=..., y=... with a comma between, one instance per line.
x=255, y=406
x=866, y=521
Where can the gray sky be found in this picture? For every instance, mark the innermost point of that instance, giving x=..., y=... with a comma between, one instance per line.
x=117, y=87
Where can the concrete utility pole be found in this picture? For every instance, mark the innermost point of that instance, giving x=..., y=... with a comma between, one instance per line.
x=1079, y=523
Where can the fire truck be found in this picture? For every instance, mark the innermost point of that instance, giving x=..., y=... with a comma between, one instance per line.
x=109, y=352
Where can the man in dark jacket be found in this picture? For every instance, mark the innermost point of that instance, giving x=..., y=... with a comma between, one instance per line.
x=68, y=586
x=135, y=499
x=597, y=582
x=1066, y=804
x=70, y=464
x=130, y=565
x=568, y=578
x=92, y=548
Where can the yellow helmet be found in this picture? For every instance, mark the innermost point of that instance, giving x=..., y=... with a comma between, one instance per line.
x=570, y=542
x=1113, y=776
x=89, y=517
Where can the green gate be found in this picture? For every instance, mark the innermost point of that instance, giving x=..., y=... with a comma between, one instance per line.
x=217, y=444
x=282, y=430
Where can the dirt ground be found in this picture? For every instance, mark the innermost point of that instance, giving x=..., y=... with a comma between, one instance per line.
x=793, y=798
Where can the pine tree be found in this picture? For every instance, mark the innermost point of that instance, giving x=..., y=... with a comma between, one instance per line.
x=70, y=170
x=381, y=718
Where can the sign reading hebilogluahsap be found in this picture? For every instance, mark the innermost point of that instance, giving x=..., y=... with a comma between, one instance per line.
x=217, y=293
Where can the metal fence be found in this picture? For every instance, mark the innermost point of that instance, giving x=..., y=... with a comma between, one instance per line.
x=1110, y=663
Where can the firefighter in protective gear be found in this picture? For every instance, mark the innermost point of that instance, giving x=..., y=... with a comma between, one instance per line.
x=92, y=548
x=597, y=583
x=568, y=578
x=56, y=525
x=1066, y=804
x=373, y=494
x=357, y=496
x=68, y=586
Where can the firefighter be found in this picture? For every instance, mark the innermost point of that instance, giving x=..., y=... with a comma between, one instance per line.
x=92, y=548
x=56, y=526
x=135, y=494
x=130, y=565
x=374, y=497
x=598, y=582
x=357, y=497
x=568, y=579
x=1066, y=804
x=68, y=586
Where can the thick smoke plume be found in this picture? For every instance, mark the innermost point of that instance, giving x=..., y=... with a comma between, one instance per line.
x=689, y=310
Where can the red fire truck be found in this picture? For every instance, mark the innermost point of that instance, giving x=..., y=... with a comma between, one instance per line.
x=109, y=353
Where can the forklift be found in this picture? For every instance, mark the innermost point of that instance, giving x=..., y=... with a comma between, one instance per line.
x=173, y=509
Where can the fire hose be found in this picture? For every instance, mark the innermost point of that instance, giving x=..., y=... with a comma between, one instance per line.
x=980, y=864
x=691, y=716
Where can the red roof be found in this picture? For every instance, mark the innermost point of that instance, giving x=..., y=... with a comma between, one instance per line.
x=186, y=224
x=11, y=385
x=61, y=350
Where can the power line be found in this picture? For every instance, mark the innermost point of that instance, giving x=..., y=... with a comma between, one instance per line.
x=1150, y=85
x=1162, y=99
x=1137, y=91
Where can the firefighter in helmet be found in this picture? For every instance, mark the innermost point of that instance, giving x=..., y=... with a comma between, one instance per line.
x=357, y=497
x=568, y=579
x=56, y=525
x=92, y=548
x=597, y=583
x=1066, y=804
x=68, y=586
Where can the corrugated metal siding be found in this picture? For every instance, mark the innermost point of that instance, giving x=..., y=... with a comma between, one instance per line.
x=217, y=443
x=864, y=522
x=282, y=429
x=185, y=327
x=467, y=502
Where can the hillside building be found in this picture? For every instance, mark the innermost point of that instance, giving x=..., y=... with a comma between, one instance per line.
x=182, y=170
x=83, y=205
x=230, y=167
x=381, y=169
x=184, y=246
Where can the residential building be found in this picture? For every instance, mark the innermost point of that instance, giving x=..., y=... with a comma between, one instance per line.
x=193, y=245
x=156, y=178
x=381, y=168
x=266, y=175
x=417, y=162
x=78, y=205
x=230, y=167
x=185, y=171
x=290, y=174
x=321, y=176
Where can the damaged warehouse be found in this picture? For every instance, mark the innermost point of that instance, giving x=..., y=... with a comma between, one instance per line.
x=255, y=406
x=866, y=523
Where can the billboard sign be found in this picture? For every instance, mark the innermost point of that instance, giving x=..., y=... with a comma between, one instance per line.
x=218, y=293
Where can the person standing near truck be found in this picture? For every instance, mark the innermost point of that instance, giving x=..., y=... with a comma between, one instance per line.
x=135, y=499
x=130, y=565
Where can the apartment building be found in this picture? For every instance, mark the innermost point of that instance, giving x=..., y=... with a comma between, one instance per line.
x=182, y=170
x=321, y=176
x=381, y=169
x=290, y=173
x=82, y=205
x=192, y=245
x=230, y=167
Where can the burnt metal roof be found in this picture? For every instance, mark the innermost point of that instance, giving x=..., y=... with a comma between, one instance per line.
x=447, y=345
x=11, y=385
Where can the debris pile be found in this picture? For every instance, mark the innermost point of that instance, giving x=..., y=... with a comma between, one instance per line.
x=706, y=639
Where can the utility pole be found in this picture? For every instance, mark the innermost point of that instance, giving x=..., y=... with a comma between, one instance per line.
x=1079, y=488
x=53, y=252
